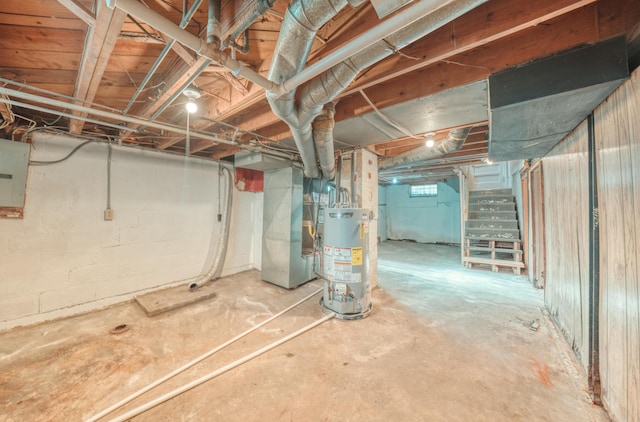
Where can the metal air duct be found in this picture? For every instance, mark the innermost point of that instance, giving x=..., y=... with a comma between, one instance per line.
x=454, y=142
x=323, y=137
x=329, y=84
x=245, y=19
x=301, y=22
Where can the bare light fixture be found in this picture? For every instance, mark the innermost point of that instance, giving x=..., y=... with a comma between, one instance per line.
x=429, y=137
x=192, y=93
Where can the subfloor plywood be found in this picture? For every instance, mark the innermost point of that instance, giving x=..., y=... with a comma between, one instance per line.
x=442, y=343
x=165, y=300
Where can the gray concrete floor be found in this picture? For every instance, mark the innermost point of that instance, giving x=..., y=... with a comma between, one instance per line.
x=443, y=343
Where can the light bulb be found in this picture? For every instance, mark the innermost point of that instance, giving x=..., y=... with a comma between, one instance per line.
x=192, y=107
x=429, y=143
x=395, y=180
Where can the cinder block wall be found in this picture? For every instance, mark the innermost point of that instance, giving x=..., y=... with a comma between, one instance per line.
x=426, y=220
x=63, y=258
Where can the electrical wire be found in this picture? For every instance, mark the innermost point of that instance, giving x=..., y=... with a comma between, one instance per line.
x=10, y=115
x=143, y=29
x=73, y=151
x=392, y=123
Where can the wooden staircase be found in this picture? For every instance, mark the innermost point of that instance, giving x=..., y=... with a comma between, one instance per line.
x=492, y=236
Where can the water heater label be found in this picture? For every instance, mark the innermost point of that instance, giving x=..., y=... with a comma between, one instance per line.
x=356, y=256
x=342, y=254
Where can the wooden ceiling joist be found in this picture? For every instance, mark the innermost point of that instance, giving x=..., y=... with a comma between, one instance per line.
x=400, y=78
x=99, y=45
x=477, y=28
x=174, y=83
x=80, y=11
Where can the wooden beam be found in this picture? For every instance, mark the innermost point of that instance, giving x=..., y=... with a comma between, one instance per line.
x=488, y=23
x=174, y=82
x=201, y=145
x=564, y=32
x=80, y=11
x=493, y=26
x=225, y=151
x=184, y=54
x=99, y=45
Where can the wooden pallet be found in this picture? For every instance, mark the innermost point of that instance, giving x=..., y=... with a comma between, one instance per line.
x=495, y=264
x=495, y=253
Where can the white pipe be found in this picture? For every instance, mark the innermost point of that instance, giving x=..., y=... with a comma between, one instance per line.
x=186, y=387
x=223, y=239
x=200, y=46
x=195, y=361
x=119, y=117
x=106, y=114
x=377, y=33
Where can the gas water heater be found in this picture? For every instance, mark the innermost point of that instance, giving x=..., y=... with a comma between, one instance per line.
x=345, y=262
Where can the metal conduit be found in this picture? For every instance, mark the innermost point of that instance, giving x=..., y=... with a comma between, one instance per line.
x=163, y=54
x=223, y=240
x=116, y=117
x=105, y=114
x=200, y=46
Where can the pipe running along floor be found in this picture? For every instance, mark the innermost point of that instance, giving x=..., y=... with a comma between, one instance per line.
x=443, y=343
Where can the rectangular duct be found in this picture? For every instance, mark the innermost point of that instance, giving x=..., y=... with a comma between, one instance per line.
x=253, y=160
x=534, y=106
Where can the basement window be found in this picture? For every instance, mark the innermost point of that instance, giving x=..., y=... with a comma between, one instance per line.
x=423, y=190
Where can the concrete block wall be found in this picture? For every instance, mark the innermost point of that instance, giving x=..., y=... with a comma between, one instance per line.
x=423, y=219
x=63, y=258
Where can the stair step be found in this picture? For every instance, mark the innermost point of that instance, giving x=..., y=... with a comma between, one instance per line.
x=492, y=207
x=492, y=215
x=492, y=234
x=490, y=192
x=491, y=224
x=492, y=199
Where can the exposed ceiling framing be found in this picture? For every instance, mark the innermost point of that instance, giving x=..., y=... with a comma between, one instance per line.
x=84, y=53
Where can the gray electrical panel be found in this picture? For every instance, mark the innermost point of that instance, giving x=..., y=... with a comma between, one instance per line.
x=14, y=160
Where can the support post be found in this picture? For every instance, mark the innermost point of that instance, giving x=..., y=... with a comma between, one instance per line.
x=594, y=271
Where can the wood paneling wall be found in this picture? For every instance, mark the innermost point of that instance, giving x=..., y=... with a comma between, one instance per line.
x=566, y=205
x=617, y=130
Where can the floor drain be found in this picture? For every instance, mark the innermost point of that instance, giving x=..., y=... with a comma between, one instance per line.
x=119, y=329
